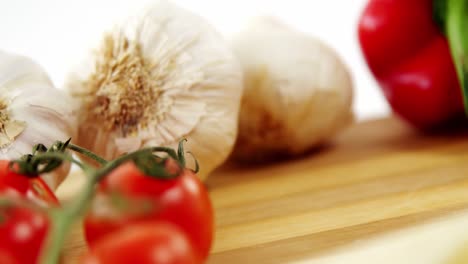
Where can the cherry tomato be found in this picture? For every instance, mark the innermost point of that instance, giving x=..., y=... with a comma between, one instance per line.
x=33, y=188
x=128, y=196
x=143, y=243
x=23, y=228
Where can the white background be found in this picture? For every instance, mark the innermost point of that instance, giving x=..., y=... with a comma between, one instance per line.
x=57, y=33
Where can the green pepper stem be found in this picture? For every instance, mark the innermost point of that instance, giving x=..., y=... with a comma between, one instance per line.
x=457, y=34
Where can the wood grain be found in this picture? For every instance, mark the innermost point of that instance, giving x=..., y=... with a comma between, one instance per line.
x=376, y=177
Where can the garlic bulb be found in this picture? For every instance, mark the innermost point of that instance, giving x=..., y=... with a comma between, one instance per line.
x=162, y=76
x=298, y=93
x=32, y=111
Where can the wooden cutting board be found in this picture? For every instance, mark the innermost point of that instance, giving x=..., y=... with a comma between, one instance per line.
x=377, y=176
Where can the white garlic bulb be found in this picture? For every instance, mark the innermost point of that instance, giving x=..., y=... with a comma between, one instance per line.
x=162, y=76
x=297, y=92
x=32, y=111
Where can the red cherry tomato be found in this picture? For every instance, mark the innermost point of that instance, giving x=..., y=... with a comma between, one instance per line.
x=143, y=243
x=23, y=228
x=33, y=188
x=130, y=196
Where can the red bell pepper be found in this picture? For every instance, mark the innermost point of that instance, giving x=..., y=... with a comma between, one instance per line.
x=408, y=53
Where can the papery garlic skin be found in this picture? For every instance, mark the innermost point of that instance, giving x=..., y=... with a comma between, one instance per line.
x=35, y=111
x=162, y=76
x=297, y=94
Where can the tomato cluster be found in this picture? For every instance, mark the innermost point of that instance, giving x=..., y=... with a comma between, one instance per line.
x=134, y=216
x=128, y=201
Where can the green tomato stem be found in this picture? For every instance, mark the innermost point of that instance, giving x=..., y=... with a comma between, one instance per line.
x=87, y=153
x=62, y=219
x=457, y=34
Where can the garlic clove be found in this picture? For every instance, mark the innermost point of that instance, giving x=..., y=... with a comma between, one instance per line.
x=32, y=111
x=298, y=92
x=161, y=76
x=10, y=131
